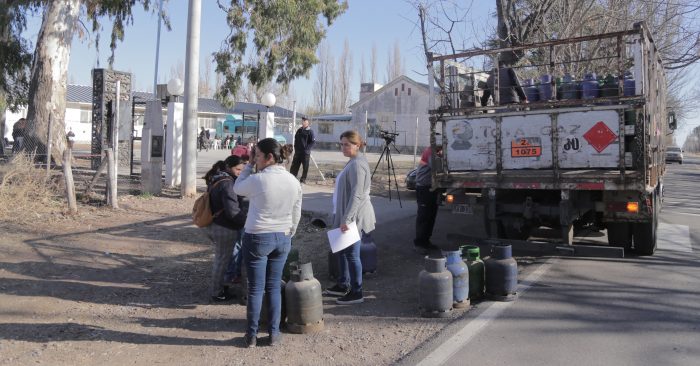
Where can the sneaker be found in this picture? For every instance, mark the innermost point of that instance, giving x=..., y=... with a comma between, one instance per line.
x=275, y=340
x=350, y=298
x=337, y=290
x=222, y=296
x=250, y=341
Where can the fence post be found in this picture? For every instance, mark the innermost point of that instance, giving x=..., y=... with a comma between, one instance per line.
x=112, y=181
x=68, y=175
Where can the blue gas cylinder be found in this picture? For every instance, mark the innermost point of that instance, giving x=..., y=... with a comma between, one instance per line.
x=368, y=254
x=460, y=278
x=589, y=86
x=545, y=87
x=501, y=273
x=629, y=85
x=531, y=91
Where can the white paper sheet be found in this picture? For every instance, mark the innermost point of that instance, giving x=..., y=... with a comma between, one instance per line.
x=340, y=240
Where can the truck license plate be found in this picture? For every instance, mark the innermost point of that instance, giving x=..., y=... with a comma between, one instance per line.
x=464, y=209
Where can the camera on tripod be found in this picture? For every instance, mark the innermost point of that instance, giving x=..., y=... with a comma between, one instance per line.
x=388, y=136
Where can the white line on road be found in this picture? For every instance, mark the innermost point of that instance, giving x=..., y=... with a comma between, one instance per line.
x=451, y=346
x=673, y=237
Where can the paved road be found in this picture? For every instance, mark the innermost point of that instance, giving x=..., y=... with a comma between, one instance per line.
x=573, y=311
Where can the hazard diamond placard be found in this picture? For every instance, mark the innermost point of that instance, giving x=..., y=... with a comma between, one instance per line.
x=600, y=136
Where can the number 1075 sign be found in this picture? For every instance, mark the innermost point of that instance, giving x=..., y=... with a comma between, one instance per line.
x=526, y=147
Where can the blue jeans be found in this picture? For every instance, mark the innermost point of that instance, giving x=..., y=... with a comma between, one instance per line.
x=264, y=256
x=350, y=267
x=234, y=266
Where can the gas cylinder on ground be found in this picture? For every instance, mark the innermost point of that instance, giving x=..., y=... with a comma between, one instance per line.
x=292, y=257
x=501, y=273
x=333, y=266
x=589, y=86
x=460, y=278
x=435, y=286
x=368, y=254
x=304, y=302
x=470, y=256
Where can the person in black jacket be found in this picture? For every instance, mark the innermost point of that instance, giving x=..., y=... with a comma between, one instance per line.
x=303, y=142
x=229, y=219
x=509, y=89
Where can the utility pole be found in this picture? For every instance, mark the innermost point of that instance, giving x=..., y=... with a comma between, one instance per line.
x=188, y=186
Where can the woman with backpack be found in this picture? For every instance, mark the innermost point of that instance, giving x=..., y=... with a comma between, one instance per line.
x=273, y=216
x=229, y=218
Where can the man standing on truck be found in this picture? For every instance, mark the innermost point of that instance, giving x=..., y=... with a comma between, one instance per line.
x=427, y=201
x=509, y=89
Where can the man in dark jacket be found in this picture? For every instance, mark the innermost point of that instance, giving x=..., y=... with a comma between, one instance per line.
x=509, y=89
x=303, y=142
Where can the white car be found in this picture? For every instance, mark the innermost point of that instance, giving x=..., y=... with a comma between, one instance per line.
x=674, y=154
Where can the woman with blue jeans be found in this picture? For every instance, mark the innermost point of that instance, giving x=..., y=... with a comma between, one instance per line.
x=351, y=203
x=273, y=215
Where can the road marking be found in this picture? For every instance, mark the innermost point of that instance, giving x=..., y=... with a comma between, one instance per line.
x=455, y=343
x=673, y=237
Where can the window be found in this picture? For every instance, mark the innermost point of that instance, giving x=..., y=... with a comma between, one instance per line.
x=85, y=116
x=403, y=86
x=325, y=128
x=409, y=91
x=396, y=92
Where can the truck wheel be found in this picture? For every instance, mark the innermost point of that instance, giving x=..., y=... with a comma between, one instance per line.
x=517, y=234
x=619, y=235
x=645, y=233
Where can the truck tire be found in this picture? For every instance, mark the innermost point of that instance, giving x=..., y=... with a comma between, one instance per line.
x=517, y=234
x=620, y=235
x=645, y=233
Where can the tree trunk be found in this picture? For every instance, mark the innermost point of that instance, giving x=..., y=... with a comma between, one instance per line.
x=47, y=88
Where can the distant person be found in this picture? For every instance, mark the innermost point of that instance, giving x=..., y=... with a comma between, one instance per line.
x=351, y=203
x=303, y=142
x=427, y=201
x=203, y=139
x=229, y=218
x=19, y=131
x=509, y=89
x=273, y=216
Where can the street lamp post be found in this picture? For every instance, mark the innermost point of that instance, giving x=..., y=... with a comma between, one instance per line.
x=267, y=128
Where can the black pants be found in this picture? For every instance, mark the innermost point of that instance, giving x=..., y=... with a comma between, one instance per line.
x=302, y=159
x=427, y=202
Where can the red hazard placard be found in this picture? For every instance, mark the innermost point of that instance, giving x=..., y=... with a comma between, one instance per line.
x=600, y=136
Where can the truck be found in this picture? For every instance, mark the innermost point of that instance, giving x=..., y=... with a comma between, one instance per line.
x=581, y=152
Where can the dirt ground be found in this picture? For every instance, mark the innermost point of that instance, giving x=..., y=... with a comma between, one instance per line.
x=129, y=286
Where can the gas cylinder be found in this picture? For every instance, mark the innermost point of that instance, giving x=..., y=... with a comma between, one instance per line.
x=545, y=87
x=470, y=256
x=629, y=84
x=292, y=257
x=609, y=88
x=368, y=254
x=435, y=286
x=589, y=86
x=531, y=90
x=304, y=303
x=501, y=273
x=569, y=87
x=460, y=278
x=333, y=266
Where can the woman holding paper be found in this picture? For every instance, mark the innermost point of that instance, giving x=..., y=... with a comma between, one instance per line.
x=273, y=216
x=351, y=205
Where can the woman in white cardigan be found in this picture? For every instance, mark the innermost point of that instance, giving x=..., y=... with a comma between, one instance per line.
x=351, y=203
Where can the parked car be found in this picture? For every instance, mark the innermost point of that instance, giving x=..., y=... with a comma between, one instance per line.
x=411, y=180
x=674, y=154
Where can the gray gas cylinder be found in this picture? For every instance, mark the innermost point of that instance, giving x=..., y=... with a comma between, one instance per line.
x=304, y=303
x=501, y=273
x=435, y=284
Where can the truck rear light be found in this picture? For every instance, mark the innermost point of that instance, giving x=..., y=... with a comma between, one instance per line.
x=450, y=198
x=633, y=207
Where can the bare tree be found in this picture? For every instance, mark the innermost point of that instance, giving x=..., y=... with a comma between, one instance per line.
x=325, y=78
x=205, y=80
x=343, y=81
x=373, y=63
x=363, y=70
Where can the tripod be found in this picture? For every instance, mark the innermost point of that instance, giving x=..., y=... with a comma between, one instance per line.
x=386, y=151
